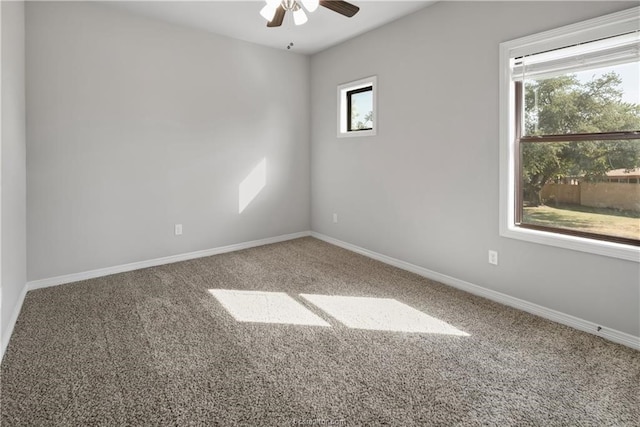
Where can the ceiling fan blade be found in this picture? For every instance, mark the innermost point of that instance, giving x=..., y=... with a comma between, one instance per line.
x=278, y=17
x=342, y=7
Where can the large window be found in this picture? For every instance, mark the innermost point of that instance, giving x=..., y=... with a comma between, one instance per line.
x=571, y=148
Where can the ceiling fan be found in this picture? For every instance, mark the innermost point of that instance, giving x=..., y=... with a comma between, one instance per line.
x=275, y=10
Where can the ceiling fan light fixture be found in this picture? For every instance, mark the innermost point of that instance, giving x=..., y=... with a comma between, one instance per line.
x=275, y=10
x=311, y=5
x=268, y=12
x=299, y=17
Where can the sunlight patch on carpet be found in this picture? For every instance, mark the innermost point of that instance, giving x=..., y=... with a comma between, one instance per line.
x=380, y=314
x=265, y=307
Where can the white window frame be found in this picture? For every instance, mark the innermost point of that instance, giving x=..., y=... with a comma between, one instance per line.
x=342, y=107
x=593, y=29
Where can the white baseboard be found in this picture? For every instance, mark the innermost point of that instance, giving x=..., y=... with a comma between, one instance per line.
x=76, y=277
x=547, y=313
x=6, y=336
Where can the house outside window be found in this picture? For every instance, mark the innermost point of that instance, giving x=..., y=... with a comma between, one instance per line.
x=570, y=136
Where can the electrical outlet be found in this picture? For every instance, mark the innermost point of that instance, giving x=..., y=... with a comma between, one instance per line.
x=178, y=229
x=335, y=218
x=493, y=257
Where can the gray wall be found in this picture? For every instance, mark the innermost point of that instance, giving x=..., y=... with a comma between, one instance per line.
x=135, y=125
x=14, y=253
x=425, y=190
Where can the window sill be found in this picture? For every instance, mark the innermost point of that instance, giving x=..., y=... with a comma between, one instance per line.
x=358, y=133
x=610, y=249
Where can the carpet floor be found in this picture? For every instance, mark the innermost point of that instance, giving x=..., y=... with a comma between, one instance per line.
x=156, y=347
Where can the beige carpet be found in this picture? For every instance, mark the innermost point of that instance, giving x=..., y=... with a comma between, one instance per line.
x=157, y=347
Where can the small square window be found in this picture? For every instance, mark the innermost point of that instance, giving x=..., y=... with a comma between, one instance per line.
x=357, y=108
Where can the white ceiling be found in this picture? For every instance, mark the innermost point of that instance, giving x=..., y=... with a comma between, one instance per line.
x=241, y=20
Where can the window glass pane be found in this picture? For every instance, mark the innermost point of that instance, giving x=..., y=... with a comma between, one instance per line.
x=361, y=110
x=597, y=100
x=587, y=186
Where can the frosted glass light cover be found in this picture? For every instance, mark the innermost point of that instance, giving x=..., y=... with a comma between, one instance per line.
x=299, y=17
x=311, y=5
x=268, y=12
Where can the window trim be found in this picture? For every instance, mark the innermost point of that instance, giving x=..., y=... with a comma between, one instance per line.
x=593, y=29
x=342, y=107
